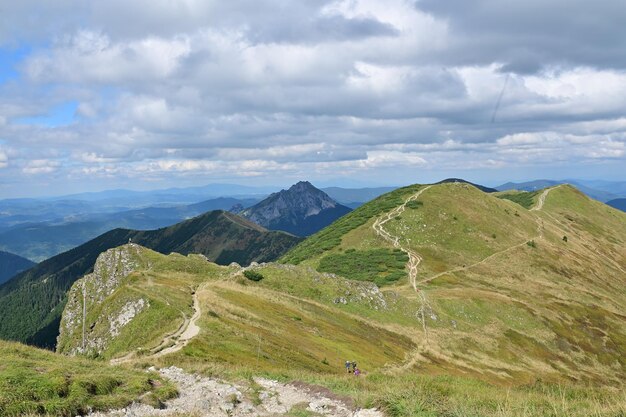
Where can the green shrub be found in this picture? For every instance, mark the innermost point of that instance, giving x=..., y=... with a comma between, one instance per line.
x=414, y=204
x=381, y=266
x=253, y=275
x=524, y=199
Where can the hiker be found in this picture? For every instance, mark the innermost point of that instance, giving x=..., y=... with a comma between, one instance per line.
x=353, y=366
x=348, y=364
x=357, y=372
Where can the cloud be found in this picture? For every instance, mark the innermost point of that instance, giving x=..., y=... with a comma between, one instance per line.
x=40, y=166
x=532, y=35
x=205, y=90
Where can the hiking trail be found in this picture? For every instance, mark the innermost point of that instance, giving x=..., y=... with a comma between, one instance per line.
x=414, y=257
x=211, y=397
x=187, y=331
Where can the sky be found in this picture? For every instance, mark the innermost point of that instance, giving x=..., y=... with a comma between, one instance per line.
x=148, y=94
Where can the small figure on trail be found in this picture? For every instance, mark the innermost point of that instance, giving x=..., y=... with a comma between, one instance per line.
x=353, y=366
x=357, y=372
x=348, y=364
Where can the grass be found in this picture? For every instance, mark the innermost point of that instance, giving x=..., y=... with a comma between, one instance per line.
x=34, y=381
x=381, y=266
x=531, y=331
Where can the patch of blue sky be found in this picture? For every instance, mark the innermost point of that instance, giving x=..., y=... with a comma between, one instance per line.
x=9, y=61
x=61, y=115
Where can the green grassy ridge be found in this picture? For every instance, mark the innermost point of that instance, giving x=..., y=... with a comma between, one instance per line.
x=496, y=320
x=330, y=237
x=289, y=325
x=34, y=381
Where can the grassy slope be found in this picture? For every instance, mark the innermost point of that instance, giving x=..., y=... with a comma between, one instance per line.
x=495, y=330
x=39, y=381
x=292, y=325
x=550, y=311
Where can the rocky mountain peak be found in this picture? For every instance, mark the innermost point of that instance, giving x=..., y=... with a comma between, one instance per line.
x=288, y=209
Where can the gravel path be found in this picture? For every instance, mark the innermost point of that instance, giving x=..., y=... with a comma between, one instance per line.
x=209, y=397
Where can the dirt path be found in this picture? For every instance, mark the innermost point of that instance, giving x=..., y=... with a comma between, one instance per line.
x=190, y=331
x=210, y=397
x=542, y=198
x=414, y=257
x=187, y=331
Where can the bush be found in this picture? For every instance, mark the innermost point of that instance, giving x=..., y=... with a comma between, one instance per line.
x=414, y=204
x=531, y=243
x=253, y=275
x=381, y=266
x=565, y=239
x=524, y=199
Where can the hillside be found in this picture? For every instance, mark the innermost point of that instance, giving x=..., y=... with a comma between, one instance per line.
x=505, y=292
x=40, y=240
x=298, y=326
x=31, y=303
x=11, y=265
x=34, y=381
x=301, y=210
x=481, y=307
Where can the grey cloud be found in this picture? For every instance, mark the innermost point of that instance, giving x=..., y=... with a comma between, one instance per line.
x=527, y=36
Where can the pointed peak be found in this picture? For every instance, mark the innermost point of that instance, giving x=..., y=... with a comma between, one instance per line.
x=302, y=186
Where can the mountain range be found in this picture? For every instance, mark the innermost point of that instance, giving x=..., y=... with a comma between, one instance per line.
x=31, y=303
x=453, y=301
x=41, y=240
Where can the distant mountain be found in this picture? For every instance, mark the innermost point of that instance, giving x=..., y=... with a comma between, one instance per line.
x=480, y=187
x=354, y=197
x=599, y=195
x=301, y=210
x=617, y=188
x=11, y=265
x=618, y=203
x=39, y=241
x=32, y=302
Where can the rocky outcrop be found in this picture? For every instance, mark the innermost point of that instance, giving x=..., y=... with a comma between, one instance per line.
x=88, y=324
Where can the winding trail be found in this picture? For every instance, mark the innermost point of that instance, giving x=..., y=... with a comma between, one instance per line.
x=414, y=257
x=187, y=331
x=542, y=198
